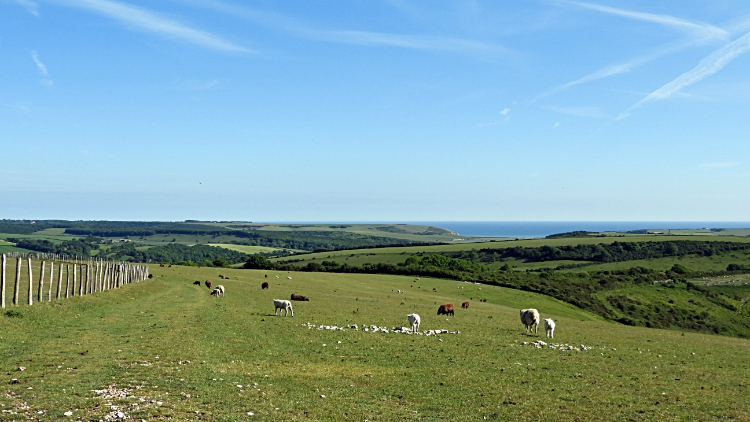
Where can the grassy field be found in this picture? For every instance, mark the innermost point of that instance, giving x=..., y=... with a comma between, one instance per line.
x=399, y=254
x=415, y=232
x=244, y=248
x=177, y=353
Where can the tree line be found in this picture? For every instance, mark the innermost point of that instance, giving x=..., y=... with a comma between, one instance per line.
x=602, y=253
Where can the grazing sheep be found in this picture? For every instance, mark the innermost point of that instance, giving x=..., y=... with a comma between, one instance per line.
x=284, y=305
x=465, y=305
x=549, y=327
x=288, y=278
x=414, y=322
x=299, y=298
x=446, y=309
x=218, y=291
x=208, y=283
x=530, y=318
x=277, y=276
x=264, y=286
x=198, y=283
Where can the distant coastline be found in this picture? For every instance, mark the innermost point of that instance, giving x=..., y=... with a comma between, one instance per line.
x=546, y=228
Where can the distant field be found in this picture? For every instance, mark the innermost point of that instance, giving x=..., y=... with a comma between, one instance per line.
x=198, y=357
x=54, y=238
x=244, y=248
x=414, y=232
x=399, y=254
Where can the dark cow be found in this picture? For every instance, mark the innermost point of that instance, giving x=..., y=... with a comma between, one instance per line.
x=300, y=298
x=465, y=305
x=446, y=309
x=264, y=285
x=221, y=276
x=197, y=283
x=434, y=289
x=266, y=275
x=208, y=283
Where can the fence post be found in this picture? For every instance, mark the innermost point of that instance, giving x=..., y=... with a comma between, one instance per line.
x=51, y=279
x=3, y=283
x=67, y=281
x=59, y=280
x=80, y=284
x=40, y=294
x=18, y=281
x=31, y=282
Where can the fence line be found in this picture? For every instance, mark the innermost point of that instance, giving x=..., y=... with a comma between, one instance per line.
x=94, y=275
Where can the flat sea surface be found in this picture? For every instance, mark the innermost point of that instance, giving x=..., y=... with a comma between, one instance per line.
x=546, y=228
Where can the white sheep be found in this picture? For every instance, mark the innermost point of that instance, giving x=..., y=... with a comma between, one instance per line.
x=530, y=318
x=414, y=321
x=549, y=327
x=288, y=278
x=218, y=291
x=284, y=305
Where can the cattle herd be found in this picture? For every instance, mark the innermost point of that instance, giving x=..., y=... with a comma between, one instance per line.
x=529, y=317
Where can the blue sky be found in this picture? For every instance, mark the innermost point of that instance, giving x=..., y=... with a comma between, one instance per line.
x=375, y=110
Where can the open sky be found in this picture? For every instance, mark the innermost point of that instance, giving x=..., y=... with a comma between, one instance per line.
x=375, y=110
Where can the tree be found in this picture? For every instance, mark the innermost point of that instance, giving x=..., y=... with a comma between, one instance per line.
x=258, y=262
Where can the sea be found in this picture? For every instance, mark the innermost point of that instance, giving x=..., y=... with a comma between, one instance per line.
x=546, y=228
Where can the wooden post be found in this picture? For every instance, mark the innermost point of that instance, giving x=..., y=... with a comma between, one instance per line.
x=18, y=281
x=40, y=294
x=67, y=281
x=59, y=280
x=51, y=279
x=31, y=282
x=105, y=274
x=3, y=283
x=80, y=285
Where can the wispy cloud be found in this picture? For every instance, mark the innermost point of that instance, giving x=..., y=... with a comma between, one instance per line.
x=666, y=20
x=719, y=165
x=707, y=67
x=354, y=37
x=42, y=68
x=587, y=112
x=505, y=111
x=29, y=5
x=147, y=20
x=557, y=124
x=419, y=42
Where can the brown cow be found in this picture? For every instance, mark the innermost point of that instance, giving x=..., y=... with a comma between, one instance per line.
x=434, y=289
x=266, y=275
x=446, y=309
x=465, y=305
x=221, y=276
x=264, y=285
x=299, y=297
x=208, y=283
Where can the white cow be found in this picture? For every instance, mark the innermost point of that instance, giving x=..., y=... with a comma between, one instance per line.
x=284, y=305
x=218, y=291
x=549, y=327
x=414, y=321
x=530, y=318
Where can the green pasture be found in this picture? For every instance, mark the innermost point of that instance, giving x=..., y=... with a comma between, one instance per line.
x=41, y=235
x=414, y=232
x=245, y=248
x=185, y=355
x=6, y=247
x=716, y=262
x=395, y=255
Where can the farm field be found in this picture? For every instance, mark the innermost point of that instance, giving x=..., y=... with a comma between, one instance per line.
x=191, y=356
x=395, y=255
x=244, y=248
x=414, y=232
